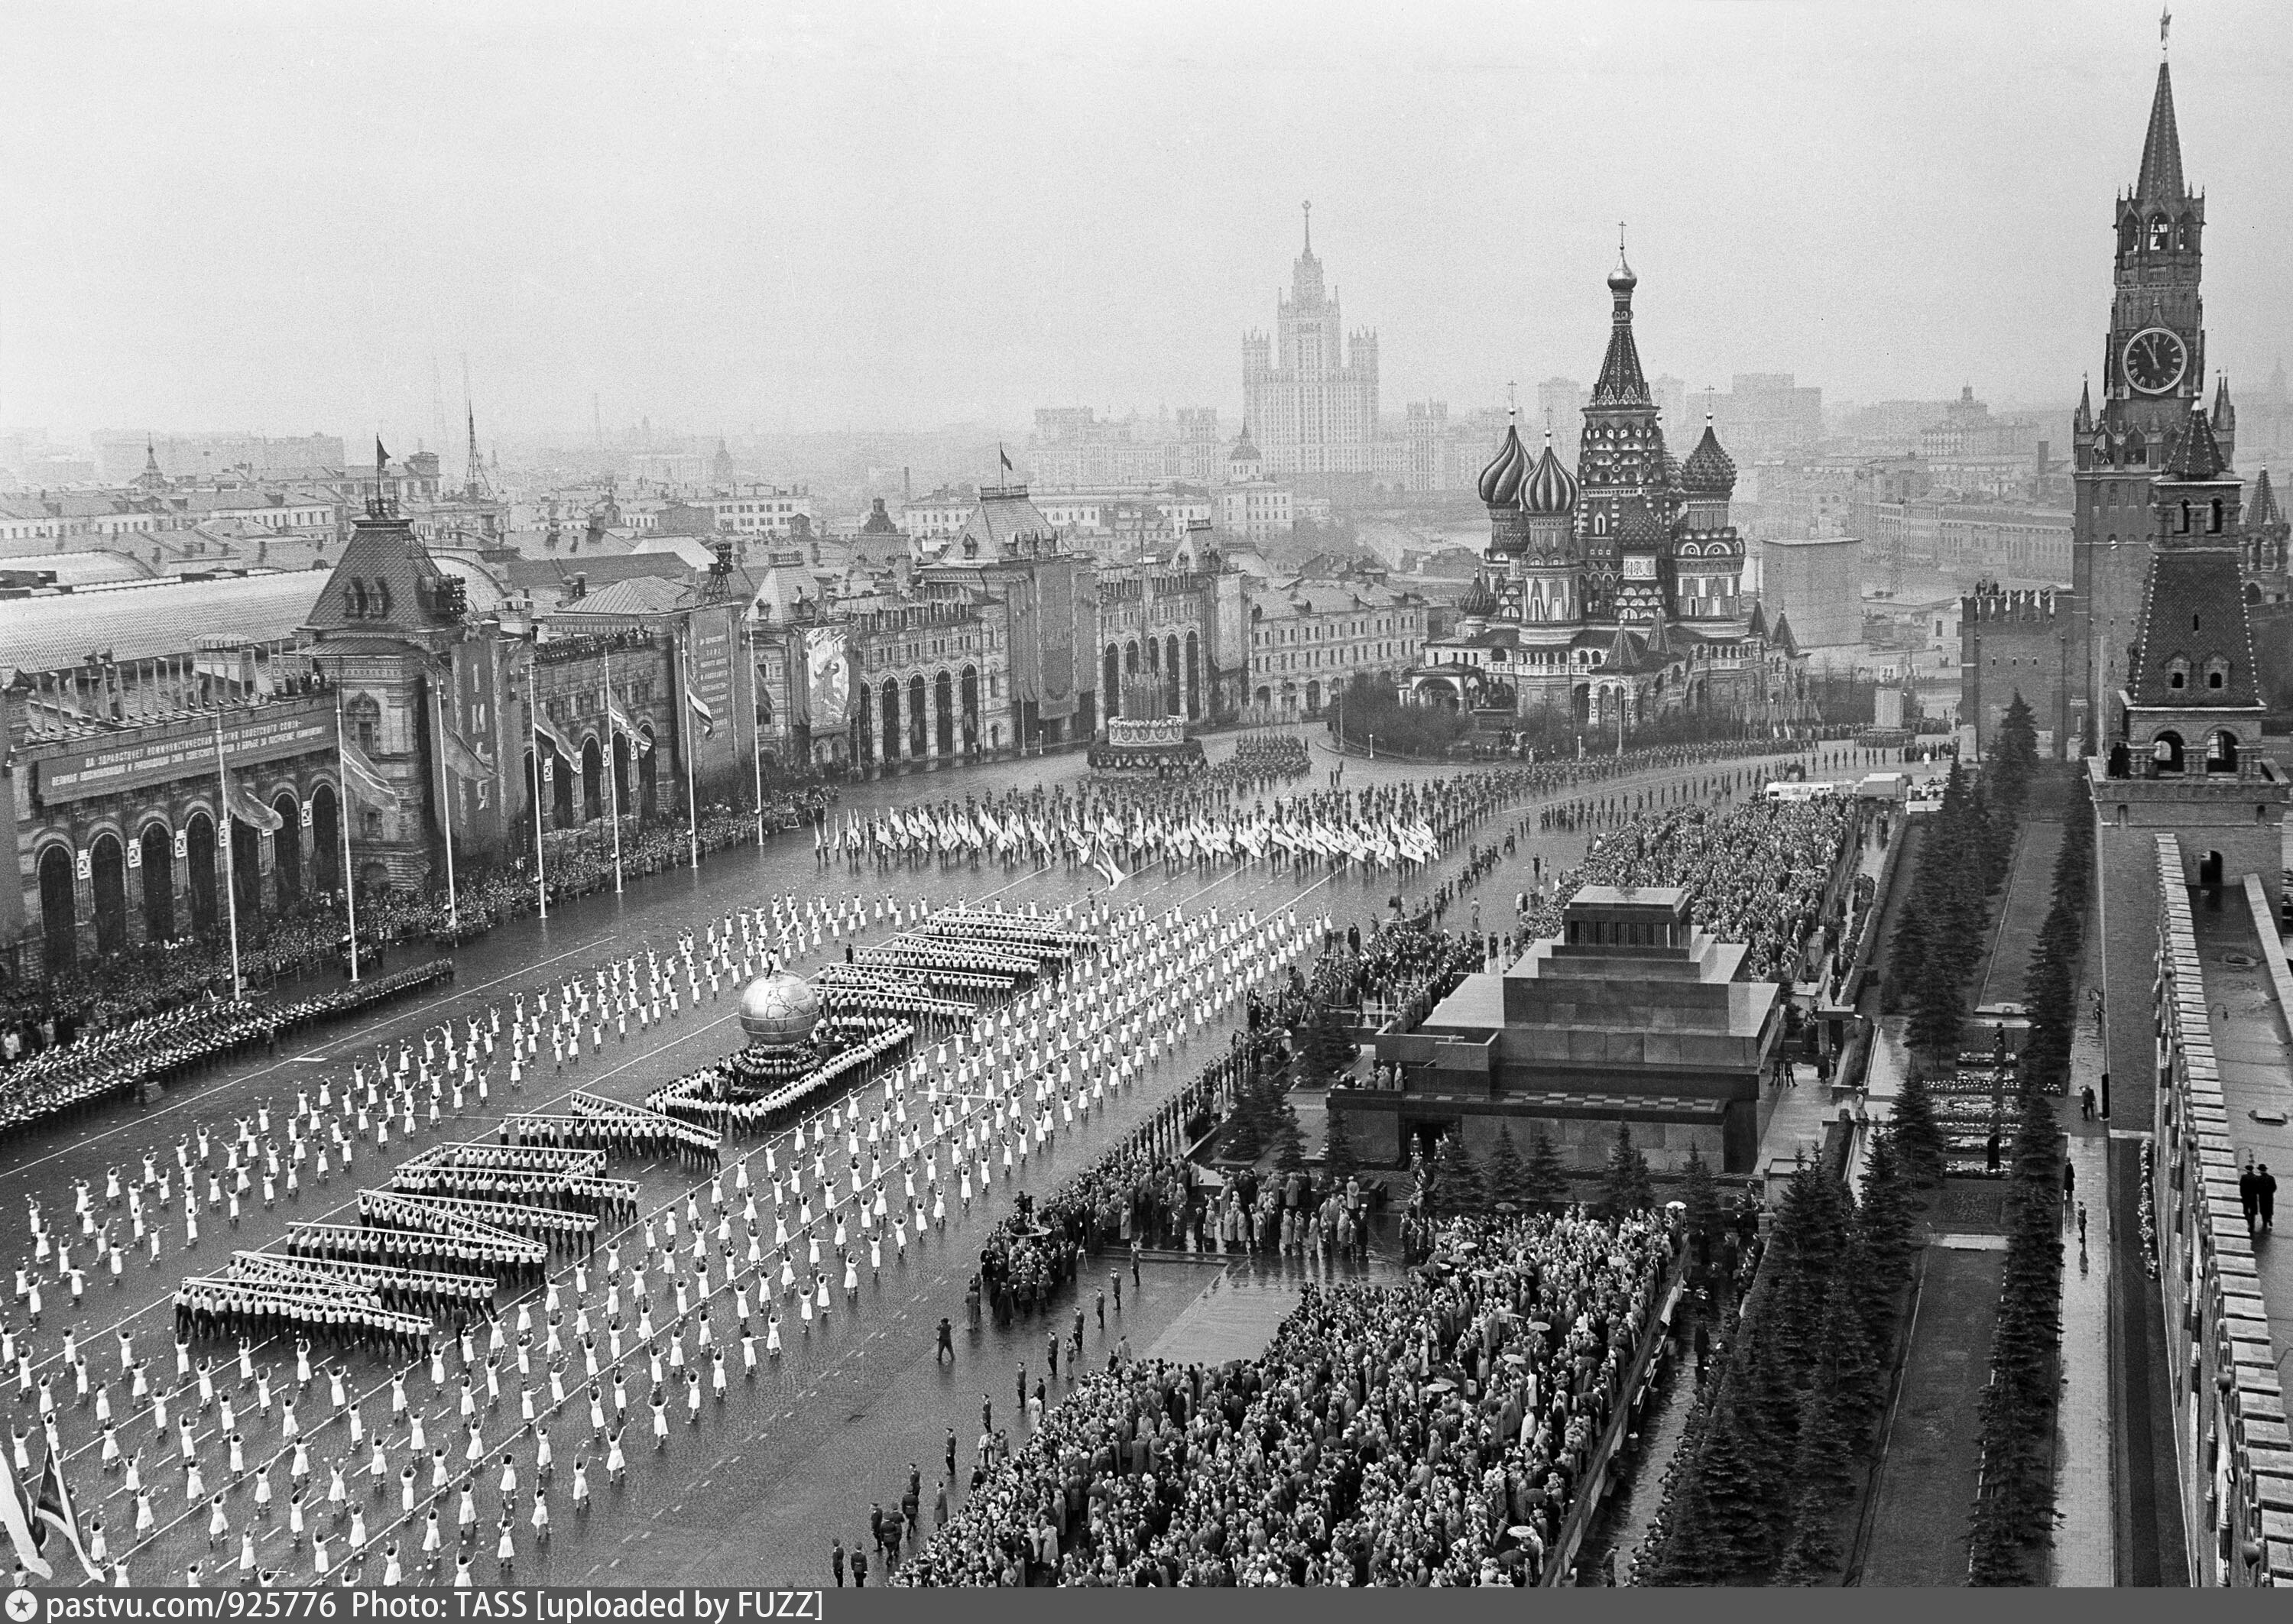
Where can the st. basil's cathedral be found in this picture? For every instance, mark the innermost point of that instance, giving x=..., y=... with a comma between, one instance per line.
x=1615, y=594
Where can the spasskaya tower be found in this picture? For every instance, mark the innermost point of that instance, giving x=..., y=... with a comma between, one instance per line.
x=2153, y=371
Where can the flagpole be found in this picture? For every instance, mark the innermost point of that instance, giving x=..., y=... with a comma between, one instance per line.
x=755, y=731
x=230, y=863
x=612, y=786
x=533, y=736
x=342, y=817
x=685, y=733
x=446, y=806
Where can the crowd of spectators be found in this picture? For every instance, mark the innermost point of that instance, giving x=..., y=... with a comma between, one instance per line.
x=1404, y=968
x=311, y=936
x=1433, y=1433
x=1755, y=873
x=117, y=1061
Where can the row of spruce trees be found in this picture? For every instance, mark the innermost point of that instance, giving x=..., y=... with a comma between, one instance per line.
x=2013, y=1515
x=1766, y=1472
x=1766, y=1469
x=1963, y=857
x=1458, y=1183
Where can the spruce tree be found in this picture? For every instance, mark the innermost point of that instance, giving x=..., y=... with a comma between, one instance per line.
x=1506, y=1173
x=1544, y=1179
x=1918, y=1137
x=1736, y=1506
x=1457, y=1185
x=1882, y=1218
x=1847, y=1369
x=1811, y=1547
x=1905, y=955
x=2013, y=756
x=1288, y=1140
x=1625, y=1186
x=1820, y=1478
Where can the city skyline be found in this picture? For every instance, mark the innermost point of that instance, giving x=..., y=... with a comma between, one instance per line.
x=967, y=286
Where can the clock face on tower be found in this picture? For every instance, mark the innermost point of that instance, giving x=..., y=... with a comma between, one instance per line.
x=2155, y=360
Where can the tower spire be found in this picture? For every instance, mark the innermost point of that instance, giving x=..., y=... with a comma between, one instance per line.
x=1621, y=381
x=2160, y=177
x=1307, y=208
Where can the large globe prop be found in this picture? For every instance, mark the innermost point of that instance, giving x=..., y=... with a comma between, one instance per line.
x=779, y=1010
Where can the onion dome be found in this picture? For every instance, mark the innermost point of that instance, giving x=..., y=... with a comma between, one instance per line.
x=1621, y=280
x=779, y=1010
x=1551, y=488
x=1709, y=470
x=1478, y=600
x=1501, y=480
x=1637, y=527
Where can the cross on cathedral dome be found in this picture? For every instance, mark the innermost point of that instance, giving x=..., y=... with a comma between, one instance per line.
x=1551, y=488
x=1501, y=480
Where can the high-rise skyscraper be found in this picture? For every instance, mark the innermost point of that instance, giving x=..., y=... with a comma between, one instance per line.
x=1310, y=393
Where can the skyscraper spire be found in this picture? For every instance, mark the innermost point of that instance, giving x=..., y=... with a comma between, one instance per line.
x=1308, y=209
x=2160, y=178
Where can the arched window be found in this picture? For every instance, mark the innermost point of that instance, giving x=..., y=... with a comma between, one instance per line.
x=2177, y=673
x=2165, y=754
x=2216, y=674
x=354, y=600
x=364, y=716
x=2221, y=751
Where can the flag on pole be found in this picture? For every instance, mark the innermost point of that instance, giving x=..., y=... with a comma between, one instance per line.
x=1003, y=456
x=17, y=1520
x=623, y=723
x=1114, y=875
x=364, y=780
x=546, y=730
x=463, y=761
x=253, y=813
x=700, y=710
x=55, y=1510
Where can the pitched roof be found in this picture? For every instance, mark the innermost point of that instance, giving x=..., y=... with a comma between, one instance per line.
x=2196, y=455
x=2160, y=180
x=152, y=618
x=2262, y=507
x=554, y=571
x=2193, y=611
x=1003, y=518
x=1781, y=636
x=384, y=550
x=89, y=569
x=640, y=595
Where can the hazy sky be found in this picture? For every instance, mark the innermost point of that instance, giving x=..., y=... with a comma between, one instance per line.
x=281, y=218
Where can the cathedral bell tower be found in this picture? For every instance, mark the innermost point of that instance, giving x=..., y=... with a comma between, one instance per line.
x=2152, y=374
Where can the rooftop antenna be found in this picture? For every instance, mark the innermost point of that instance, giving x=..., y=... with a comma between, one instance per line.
x=474, y=480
